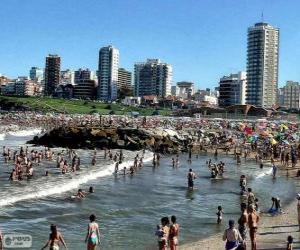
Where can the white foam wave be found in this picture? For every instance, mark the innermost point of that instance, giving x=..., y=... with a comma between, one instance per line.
x=23, y=133
x=268, y=172
x=2, y=137
x=48, y=189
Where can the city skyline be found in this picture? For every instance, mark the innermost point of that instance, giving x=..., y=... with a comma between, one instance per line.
x=179, y=30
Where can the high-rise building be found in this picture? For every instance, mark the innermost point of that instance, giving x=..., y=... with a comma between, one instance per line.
x=152, y=78
x=262, y=65
x=108, y=73
x=83, y=75
x=232, y=89
x=291, y=95
x=36, y=74
x=52, y=74
x=124, y=78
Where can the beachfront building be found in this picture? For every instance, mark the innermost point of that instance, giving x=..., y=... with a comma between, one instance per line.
x=108, y=67
x=26, y=87
x=206, y=97
x=232, y=89
x=67, y=77
x=36, y=74
x=84, y=74
x=152, y=78
x=52, y=74
x=85, y=89
x=185, y=90
x=173, y=90
x=262, y=65
x=291, y=95
x=132, y=101
x=124, y=78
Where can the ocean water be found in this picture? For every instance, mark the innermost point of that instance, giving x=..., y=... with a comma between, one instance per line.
x=128, y=208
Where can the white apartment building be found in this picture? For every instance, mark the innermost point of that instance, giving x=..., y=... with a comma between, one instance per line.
x=262, y=65
x=108, y=74
x=232, y=89
x=153, y=78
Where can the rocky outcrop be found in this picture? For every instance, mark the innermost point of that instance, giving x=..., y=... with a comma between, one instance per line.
x=160, y=140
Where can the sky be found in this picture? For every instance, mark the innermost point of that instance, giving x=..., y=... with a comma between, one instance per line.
x=202, y=39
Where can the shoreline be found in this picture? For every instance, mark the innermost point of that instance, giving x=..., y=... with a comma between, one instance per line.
x=272, y=230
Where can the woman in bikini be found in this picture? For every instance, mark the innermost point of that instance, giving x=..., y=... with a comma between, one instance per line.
x=54, y=239
x=173, y=234
x=93, y=234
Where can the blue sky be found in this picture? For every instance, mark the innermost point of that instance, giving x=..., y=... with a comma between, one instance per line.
x=202, y=39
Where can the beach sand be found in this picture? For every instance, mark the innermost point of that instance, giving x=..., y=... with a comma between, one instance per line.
x=273, y=230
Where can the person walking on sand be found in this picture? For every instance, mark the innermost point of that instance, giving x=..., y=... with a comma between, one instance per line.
x=173, y=234
x=253, y=220
x=232, y=237
x=55, y=238
x=93, y=234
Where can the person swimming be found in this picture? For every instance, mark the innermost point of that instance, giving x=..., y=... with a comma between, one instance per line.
x=91, y=190
x=79, y=195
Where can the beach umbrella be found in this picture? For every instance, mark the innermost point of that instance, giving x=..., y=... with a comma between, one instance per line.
x=273, y=141
x=286, y=142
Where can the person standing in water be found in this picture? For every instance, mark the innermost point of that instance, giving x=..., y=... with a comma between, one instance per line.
x=55, y=238
x=298, y=210
x=93, y=234
x=243, y=220
x=219, y=214
x=191, y=177
x=274, y=170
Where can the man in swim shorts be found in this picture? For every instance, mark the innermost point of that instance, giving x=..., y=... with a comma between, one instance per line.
x=253, y=220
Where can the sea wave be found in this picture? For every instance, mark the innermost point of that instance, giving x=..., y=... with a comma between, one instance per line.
x=2, y=137
x=267, y=172
x=24, y=133
x=45, y=189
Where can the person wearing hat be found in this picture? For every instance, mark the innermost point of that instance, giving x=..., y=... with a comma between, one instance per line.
x=232, y=237
x=253, y=220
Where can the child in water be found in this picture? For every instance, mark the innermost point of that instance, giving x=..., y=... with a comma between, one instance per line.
x=219, y=214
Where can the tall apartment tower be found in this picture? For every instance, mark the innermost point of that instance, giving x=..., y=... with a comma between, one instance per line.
x=52, y=74
x=152, y=78
x=124, y=78
x=262, y=65
x=108, y=74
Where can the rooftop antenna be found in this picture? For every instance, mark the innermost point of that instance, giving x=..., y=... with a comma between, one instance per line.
x=262, y=16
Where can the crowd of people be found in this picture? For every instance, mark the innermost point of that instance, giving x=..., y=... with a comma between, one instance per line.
x=261, y=141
